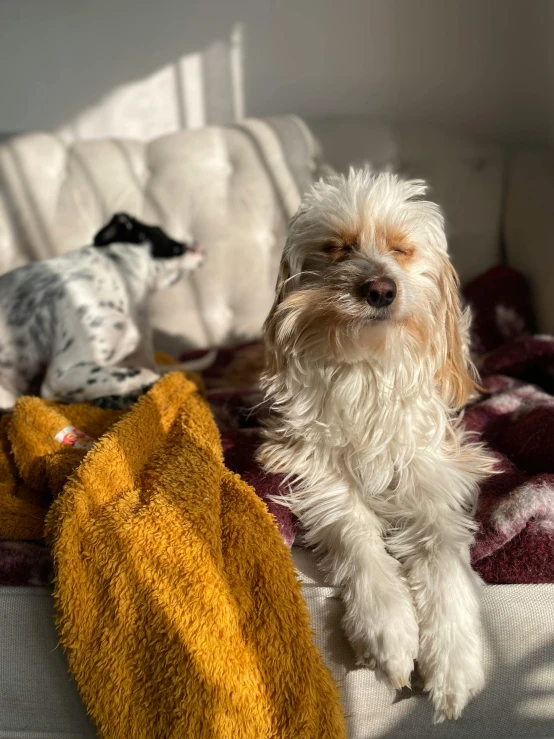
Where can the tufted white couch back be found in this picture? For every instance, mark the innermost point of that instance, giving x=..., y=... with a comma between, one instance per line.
x=231, y=189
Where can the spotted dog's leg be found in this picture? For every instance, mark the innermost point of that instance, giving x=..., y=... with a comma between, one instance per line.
x=87, y=359
x=143, y=355
x=7, y=399
x=87, y=381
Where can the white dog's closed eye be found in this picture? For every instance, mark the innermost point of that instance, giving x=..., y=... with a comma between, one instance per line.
x=367, y=364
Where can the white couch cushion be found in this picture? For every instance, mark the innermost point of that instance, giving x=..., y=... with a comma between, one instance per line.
x=232, y=189
x=465, y=176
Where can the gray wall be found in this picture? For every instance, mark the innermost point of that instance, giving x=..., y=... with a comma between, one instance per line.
x=480, y=65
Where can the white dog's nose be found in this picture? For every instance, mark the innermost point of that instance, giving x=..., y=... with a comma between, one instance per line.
x=379, y=293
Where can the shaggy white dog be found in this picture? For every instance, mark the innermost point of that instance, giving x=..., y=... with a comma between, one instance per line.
x=367, y=366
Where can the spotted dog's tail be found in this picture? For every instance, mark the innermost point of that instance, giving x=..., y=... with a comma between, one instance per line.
x=193, y=365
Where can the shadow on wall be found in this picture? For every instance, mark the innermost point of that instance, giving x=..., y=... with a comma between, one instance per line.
x=482, y=66
x=198, y=89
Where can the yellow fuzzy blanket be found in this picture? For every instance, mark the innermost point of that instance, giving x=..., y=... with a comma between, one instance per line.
x=177, y=601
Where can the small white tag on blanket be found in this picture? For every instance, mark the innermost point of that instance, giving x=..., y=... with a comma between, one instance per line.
x=72, y=436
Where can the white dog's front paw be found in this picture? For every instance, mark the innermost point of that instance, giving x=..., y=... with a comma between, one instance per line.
x=452, y=693
x=386, y=642
x=454, y=677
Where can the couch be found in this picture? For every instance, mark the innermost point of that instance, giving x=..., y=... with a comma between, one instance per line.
x=234, y=189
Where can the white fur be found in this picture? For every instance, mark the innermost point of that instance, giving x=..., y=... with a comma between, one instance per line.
x=381, y=475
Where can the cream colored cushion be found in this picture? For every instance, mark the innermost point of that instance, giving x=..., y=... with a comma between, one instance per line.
x=232, y=189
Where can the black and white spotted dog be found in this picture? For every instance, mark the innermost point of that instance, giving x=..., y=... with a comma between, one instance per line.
x=76, y=327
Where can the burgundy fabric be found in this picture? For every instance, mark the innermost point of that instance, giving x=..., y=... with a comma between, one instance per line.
x=24, y=563
x=502, y=307
x=515, y=417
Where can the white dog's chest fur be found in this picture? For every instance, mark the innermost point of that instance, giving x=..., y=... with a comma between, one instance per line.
x=353, y=419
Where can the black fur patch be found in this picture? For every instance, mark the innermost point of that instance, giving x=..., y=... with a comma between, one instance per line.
x=67, y=344
x=120, y=402
x=125, y=229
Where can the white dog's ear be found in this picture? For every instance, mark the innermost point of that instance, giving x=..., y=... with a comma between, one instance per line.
x=457, y=375
x=280, y=292
x=273, y=357
x=282, y=278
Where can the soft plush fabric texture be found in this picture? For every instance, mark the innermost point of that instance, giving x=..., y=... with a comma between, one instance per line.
x=178, y=605
x=515, y=416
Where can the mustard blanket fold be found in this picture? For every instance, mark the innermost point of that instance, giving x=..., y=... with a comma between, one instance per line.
x=178, y=605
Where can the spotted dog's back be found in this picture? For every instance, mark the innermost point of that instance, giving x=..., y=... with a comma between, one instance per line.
x=56, y=308
x=67, y=324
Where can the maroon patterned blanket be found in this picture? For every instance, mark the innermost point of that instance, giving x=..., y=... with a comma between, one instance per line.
x=515, y=416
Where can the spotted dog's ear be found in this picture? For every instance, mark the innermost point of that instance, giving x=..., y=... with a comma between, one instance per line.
x=164, y=247
x=106, y=236
x=123, y=229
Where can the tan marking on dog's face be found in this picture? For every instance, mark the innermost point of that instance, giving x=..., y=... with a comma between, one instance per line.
x=394, y=242
x=343, y=243
x=316, y=311
x=416, y=330
x=389, y=241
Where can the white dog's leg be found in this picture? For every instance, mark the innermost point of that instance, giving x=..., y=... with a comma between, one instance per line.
x=380, y=621
x=446, y=593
